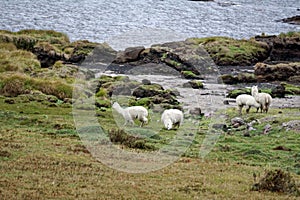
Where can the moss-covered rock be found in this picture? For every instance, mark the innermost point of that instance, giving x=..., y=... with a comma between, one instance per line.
x=291, y=89
x=276, y=72
x=195, y=84
x=284, y=47
x=51, y=46
x=148, y=91
x=231, y=52
x=190, y=75
x=235, y=79
x=237, y=92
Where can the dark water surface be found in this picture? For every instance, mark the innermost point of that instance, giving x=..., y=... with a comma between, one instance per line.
x=102, y=20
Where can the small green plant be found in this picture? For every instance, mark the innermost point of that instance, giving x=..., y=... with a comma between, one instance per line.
x=102, y=93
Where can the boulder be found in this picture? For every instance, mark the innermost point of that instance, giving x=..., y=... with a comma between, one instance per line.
x=277, y=72
x=239, y=78
x=292, y=125
x=196, y=111
x=193, y=84
x=291, y=20
x=278, y=91
x=148, y=91
x=284, y=47
x=129, y=54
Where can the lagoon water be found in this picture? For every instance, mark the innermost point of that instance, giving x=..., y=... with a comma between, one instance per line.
x=150, y=21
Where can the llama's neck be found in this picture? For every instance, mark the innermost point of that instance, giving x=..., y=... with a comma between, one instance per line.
x=254, y=92
x=118, y=108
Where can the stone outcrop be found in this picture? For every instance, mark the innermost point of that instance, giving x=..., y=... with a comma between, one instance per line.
x=235, y=79
x=129, y=54
x=277, y=72
x=282, y=47
x=291, y=20
x=179, y=56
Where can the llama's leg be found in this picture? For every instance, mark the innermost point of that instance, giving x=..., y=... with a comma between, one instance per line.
x=131, y=122
x=240, y=109
x=267, y=108
x=248, y=109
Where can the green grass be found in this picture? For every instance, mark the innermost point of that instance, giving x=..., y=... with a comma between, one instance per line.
x=42, y=157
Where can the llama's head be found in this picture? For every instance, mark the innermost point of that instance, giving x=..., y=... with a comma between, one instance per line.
x=168, y=125
x=115, y=105
x=145, y=120
x=254, y=90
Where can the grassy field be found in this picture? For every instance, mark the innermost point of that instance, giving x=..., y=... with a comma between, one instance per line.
x=42, y=157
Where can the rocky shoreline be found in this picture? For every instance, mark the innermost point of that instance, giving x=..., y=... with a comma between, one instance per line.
x=47, y=62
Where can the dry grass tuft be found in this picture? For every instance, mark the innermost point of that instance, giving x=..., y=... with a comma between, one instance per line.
x=121, y=137
x=277, y=181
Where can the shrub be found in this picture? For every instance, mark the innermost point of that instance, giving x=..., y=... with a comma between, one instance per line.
x=57, y=88
x=12, y=85
x=277, y=181
x=17, y=61
x=120, y=137
x=7, y=46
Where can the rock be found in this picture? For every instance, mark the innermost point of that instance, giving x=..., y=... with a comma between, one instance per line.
x=220, y=126
x=267, y=128
x=179, y=56
x=148, y=91
x=129, y=54
x=47, y=54
x=285, y=47
x=228, y=79
x=277, y=72
x=246, y=134
x=223, y=50
x=237, y=121
x=227, y=101
x=226, y=4
x=190, y=75
x=196, y=111
x=10, y=101
x=291, y=20
x=294, y=79
x=121, y=90
x=278, y=91
x=253, y=122
x=292, y=125
x=146, y=82
x=282, y=148
x=237, y=92
x=194, y=84
x=235, y=79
